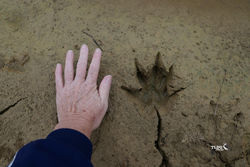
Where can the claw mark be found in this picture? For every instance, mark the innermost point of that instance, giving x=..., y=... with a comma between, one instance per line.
x=131, y=90
x=140, y=72
x=10, y=106
x=164, y=162
x=91, y=36
x=176, y=91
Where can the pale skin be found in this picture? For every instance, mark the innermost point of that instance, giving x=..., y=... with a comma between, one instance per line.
x=81, y=105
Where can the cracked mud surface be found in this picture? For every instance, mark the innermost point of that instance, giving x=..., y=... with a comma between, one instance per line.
x=204, y=49
x=155, y=90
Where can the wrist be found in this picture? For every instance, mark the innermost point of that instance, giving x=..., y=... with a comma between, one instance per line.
x=74, y=124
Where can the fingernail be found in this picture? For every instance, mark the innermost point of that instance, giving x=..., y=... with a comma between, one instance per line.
x=98, y=50
x=109, y=77
x=70, y=52
x=84, y=46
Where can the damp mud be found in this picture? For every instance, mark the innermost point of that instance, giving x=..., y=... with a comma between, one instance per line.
x=180, y=77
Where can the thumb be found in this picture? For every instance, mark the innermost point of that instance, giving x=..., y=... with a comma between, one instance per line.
x=105, y=88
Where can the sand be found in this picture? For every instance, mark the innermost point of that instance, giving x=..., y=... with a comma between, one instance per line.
x=207, y=43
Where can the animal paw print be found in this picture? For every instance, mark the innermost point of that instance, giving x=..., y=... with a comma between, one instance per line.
x=155, y=83
x=14, y=64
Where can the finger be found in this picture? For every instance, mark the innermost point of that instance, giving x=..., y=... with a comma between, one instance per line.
x=94, y=66
x=82, y=63
x=105, y=88
x=69, y=68
x=58, y=76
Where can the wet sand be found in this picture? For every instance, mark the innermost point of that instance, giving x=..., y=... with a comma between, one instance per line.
x=207, y=43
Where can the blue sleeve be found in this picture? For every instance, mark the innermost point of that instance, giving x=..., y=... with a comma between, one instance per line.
x=62, y=148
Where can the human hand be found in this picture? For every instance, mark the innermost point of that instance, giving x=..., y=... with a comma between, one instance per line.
x=80, y=106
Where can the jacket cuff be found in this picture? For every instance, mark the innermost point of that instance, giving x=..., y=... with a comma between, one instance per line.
x=73, y=138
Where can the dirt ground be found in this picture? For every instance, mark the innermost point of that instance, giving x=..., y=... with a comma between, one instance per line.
x=165, y=110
